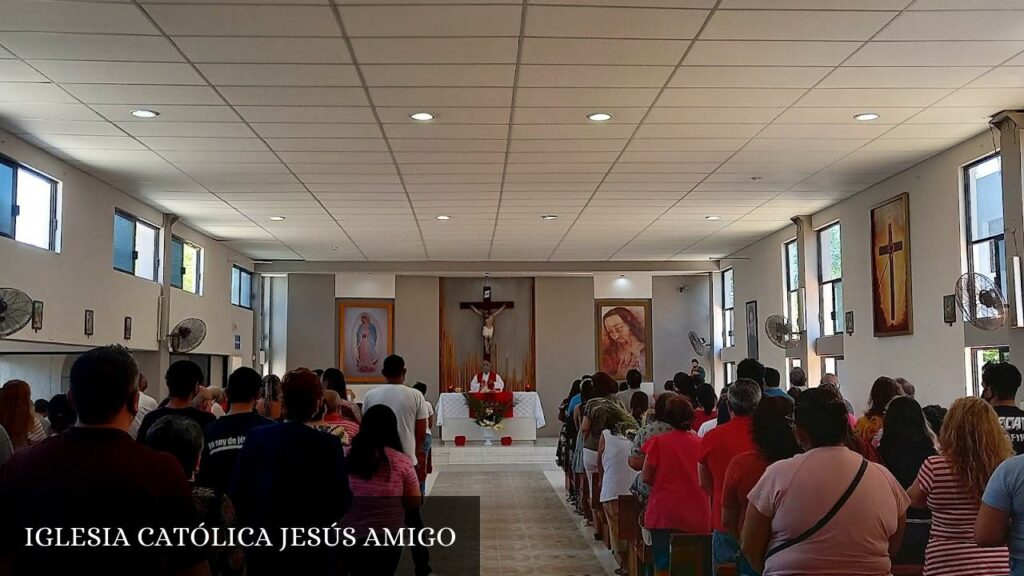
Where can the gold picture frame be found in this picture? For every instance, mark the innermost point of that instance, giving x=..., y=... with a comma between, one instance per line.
x=623, y=337
x=361, y=346
x=892, y=287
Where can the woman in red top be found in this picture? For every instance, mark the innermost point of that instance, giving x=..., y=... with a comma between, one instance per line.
x=676, y=504
x=772, y=428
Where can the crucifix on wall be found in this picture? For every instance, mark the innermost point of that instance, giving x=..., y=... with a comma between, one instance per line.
x=488, y=310
x=890, y=250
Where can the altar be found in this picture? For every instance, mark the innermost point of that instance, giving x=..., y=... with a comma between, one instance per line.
x=454, y=420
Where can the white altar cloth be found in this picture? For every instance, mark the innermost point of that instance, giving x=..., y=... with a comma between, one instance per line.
x=453, y=405
x=453, y=418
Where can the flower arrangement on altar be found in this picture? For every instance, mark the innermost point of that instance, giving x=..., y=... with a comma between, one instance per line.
x=489, y=411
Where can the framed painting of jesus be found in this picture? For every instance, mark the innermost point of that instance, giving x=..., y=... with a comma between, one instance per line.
x=365, y=338
x=892, y=298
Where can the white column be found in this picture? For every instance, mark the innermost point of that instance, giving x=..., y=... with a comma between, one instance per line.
x=807, y=248
x=1010, y=126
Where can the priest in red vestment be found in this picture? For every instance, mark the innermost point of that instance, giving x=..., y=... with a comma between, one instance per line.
x=486, y=380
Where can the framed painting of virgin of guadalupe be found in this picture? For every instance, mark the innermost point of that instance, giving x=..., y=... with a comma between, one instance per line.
x=624, y=337
x=365, y=338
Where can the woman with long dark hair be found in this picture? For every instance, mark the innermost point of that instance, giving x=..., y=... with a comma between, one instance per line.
x=384, y=485
x=334, y=379
x=906, y=442
x=772, y=429
x=882, y=392
x=566, y=439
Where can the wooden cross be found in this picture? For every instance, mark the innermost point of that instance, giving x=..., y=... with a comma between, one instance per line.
x=486, y=307
x=890, y=250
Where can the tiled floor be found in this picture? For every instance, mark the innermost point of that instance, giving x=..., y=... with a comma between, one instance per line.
x=526, y=527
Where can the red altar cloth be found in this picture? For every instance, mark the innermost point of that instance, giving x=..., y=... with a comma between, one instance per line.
x=498, y=397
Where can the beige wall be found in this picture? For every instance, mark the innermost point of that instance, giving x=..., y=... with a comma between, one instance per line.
x=674, y=314
x=564, y=310
x=933, y=357
x=416, y=329
x=312, y=322
x=81, y=276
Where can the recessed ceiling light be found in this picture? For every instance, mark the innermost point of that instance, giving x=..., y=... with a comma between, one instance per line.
x=334, y=247
x=713, y=218
x=422, y=116
x=277, y=218
x=866, y=116
x=549, y=217
x=141, y=113
x=599, y=116
x=444, y=217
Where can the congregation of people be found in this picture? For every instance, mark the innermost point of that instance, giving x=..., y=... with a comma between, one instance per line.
x=793, y=482
x=266, y=452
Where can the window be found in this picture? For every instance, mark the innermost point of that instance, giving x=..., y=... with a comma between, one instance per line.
x=830, y=271
x=28, y=205
x=830, y=365
x=982, y=356
x=792, y=285
x=728, y=309
x=186, y=265
x=986, y=248
x=136, y=245
x=793, y=363
x=241, y=287
x=730, y=372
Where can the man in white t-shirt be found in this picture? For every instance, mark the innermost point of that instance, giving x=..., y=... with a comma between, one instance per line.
x=146, y=405
x=412, y=412
x=409, y=406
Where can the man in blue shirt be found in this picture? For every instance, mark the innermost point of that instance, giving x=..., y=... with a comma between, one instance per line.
x=1001, y=516
x=772, y=379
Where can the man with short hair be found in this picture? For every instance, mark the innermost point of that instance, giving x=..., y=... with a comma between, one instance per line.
x=203, y=400
x=830, y=379
x=798, y=378
x=717, y=449
x=697, y=371
x=486, y=380
x=94, y=474
x=633, y=381
x=183, y=382
x=224, y=438
x=146, y=405
x=772, y=379
x=1003, y=379
x=751, y=369
x=411, y=410
x=290, y=475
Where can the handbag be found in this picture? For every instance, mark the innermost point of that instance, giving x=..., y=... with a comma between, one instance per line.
x=824, y=519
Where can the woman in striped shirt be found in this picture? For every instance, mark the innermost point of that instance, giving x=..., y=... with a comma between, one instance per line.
x=972, y=444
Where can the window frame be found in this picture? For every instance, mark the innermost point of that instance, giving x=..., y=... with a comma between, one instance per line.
x=999, y=240
x=199, y=265
x=837, y=319
x=730, y=372
x=729, y=312
x=793, y=315
x=16, y=167
x=135, y=253
x=232, y=298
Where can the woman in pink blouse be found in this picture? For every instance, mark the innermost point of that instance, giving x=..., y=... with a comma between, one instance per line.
x=384, y=485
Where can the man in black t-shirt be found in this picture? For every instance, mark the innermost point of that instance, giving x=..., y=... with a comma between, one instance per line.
x=1002, y=380
x=183, y=380
x=224, y=437
x=95, y=475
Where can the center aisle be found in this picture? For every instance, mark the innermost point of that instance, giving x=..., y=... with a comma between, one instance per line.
x=526, y=527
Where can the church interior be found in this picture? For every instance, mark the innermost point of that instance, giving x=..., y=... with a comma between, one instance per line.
x=510, y=195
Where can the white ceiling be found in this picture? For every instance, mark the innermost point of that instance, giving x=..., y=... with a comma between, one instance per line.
x=741, y=109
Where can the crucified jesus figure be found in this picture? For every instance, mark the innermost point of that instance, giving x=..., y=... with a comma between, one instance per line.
x=488, y=331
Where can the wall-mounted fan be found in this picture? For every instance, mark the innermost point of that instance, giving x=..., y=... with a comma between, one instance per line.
x=187, y=335
x=780, y=332
x=980, y=301
x=699, y=345
x=15, y=311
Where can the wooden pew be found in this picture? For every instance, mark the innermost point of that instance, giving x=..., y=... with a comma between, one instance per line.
x=907, y=570
x=629, y=530
x=691, y=555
